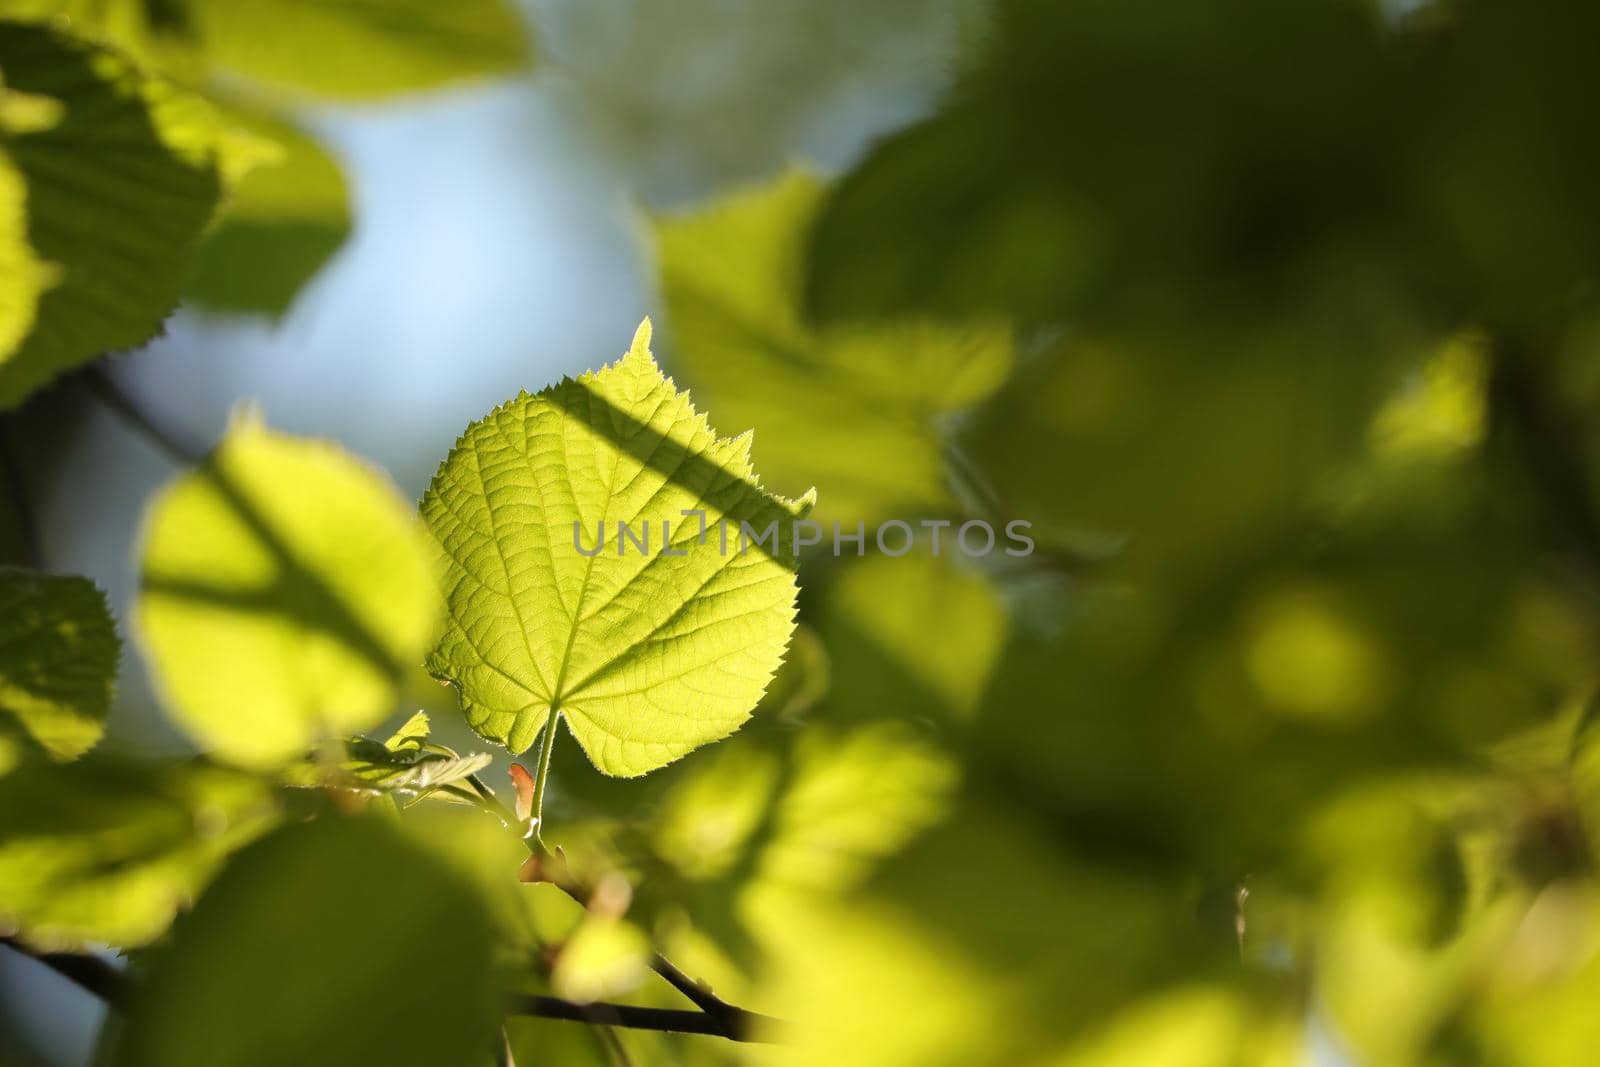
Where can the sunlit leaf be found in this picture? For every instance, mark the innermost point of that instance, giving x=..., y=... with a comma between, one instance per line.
x=358, y=49
x=820, y=400
x=408, y=766
x=645, y=655
x=285, y=586
x=118, y=188
x=58, y=658
x=328, y=944
x=278, y=227
x=107, y=852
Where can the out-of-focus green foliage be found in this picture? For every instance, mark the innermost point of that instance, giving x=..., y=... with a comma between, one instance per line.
x=283, y=219
x=823, y=400
x=646, y=654
x=104, y=851
x=1274, y=322
x=389, y=961
x=284, y=588
x=356, y=49
x=119, y=177
x=58, y=658
x=111, y=174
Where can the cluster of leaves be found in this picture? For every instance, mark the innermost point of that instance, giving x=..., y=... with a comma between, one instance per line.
x=1275, y=318
x=285, y=588
x=146, y=153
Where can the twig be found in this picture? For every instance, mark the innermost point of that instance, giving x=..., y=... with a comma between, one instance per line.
x=90, y=973
x=109, y=393
x=94, y=975
x=740, y=1026
x=1551, y=441
x=17, y=490
x=726, y=1018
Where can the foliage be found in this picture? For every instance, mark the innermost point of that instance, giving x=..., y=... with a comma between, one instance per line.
x=1272, y=321
x=58, y=658
x=646, y=656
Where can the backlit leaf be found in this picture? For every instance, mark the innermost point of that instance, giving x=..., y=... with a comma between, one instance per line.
x=647, y=656
x=823, y=399
x=115, y=192
x=107, y=852
x=327, y=944
x=285, y=587
x=355, y=49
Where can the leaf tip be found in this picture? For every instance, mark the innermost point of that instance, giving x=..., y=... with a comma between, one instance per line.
x=641, y=338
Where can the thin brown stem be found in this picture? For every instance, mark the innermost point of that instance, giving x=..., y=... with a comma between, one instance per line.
x=108, y=392
x=726, y=1018
x=742, y=1025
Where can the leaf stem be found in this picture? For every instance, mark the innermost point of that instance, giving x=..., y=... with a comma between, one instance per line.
x=11, y=472
x=549, y=743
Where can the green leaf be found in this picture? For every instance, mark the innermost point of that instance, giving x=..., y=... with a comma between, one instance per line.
x=281, y=223
x=646, y=656
x=116, y=192
x=731, y=277
x=285, y=587
x=605, y=957
x=26, y=276
x=407, y=766
x=58, y=658
x=107, y=852
x=332, y=943
x=359, y=49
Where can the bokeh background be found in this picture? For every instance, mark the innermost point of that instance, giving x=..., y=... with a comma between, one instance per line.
x=1276, y=320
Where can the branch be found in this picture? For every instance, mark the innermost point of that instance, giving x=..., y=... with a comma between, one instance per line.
x=11, y=472
x=740, y=1025
x=1550, y=439
x=94, y=975
x=90, y=973
x=108, y=392
x=727, y=1018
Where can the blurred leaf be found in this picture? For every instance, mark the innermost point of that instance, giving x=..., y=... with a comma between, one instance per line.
x=821, y=400
x=58, y=658
x=1108, y=156
x=803, y=680
x=358, y=49
x=753, y=828
x=27, y=277
x=107, y=852
x=1020, y=946
x=911, y=636
x=853, y=798
x=1502, y=164
x=647, y=656
x=605, y=958
x=332, y=943
x=118, y=190
x=1189, y=447
x=280, y=224
x=285, y=585
x=1205, y=1025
